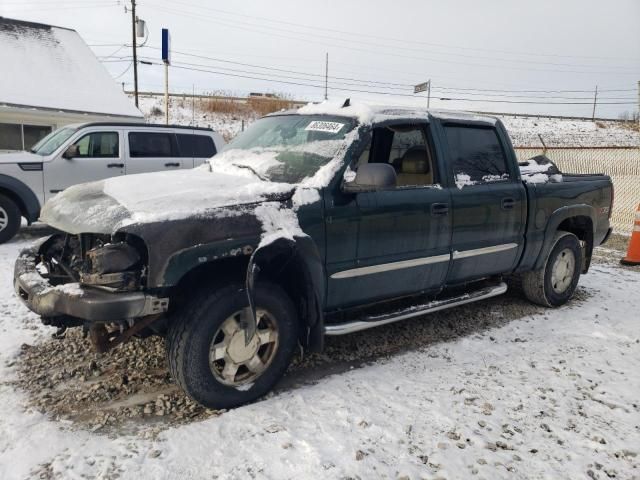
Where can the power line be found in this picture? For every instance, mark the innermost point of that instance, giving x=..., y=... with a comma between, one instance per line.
x=362, y=83
x=255, y=28
x=284, y=70
x=533, y=103
x=315, y=28
x=384, y=93
x=378, y=84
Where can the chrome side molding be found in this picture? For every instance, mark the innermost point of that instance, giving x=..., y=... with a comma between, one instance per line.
x=414, y=311
x=385, y=267
x=483, y=251
x=415, y=262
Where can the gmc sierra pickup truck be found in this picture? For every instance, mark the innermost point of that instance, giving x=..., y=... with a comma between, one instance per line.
x=322, y=221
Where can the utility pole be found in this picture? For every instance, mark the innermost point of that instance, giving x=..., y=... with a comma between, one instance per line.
x=135, y=55
x=326, y=77
x=429, y=94
x=595, y=100
x=166, y=93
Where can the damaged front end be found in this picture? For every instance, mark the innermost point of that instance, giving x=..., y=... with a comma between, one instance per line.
x=93, y=260
x=90, y=280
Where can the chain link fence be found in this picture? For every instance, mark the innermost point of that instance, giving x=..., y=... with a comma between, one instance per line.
x=622, y=164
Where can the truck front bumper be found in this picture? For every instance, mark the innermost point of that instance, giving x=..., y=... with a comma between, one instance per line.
x=85, y=303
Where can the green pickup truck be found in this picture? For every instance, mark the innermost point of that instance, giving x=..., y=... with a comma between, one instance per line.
x=321, y=221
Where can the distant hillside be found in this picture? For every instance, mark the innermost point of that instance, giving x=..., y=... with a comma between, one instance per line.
x=227, y=118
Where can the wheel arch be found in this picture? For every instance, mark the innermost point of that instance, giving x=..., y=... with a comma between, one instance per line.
x=294, y=265
x=576, y=219
x=22, y=195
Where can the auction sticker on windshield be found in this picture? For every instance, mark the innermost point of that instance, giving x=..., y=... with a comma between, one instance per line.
x=329, y=127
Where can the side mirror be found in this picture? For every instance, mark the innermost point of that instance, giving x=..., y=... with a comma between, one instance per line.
x=371, y=177
x=71, y=151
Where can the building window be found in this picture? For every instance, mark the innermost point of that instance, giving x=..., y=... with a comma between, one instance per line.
x=32, y=134
x=15, y=136
x=10, y=136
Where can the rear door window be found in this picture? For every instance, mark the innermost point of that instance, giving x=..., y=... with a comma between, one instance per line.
x=152, y=144
x=198, y=146
x=476, y=154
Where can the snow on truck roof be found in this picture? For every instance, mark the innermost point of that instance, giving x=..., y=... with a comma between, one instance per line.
x=369, y=113
x=53, y=68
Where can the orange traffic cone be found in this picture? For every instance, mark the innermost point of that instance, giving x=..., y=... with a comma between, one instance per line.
x=633, y=253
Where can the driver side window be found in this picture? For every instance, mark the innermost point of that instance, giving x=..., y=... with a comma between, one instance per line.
x=98, y=145
x=407, y=149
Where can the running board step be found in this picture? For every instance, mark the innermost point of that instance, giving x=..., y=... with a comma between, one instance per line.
x=414, y=311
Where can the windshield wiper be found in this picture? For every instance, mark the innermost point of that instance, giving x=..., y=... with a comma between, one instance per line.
x=251, y=169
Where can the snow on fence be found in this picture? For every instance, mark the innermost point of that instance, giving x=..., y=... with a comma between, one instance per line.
x=622, y=164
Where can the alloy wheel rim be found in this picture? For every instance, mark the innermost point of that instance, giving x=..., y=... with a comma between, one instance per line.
x=4, y=219
x=231, y=361
x=563, y=270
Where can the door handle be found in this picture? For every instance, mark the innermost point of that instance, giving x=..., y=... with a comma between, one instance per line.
x=508, y=203
x=115, y=165
x=172, y=164
x=439, y=209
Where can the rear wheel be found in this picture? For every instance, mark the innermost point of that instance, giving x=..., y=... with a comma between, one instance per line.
x=556, y=282
x=9, y=219
x=207, y=353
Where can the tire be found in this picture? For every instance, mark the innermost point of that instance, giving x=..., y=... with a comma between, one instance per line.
x=552, y=288
x=198, y=327
x=10, y=217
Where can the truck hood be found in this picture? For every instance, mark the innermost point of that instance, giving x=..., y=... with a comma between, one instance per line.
x=20, y=157
x=108, y=205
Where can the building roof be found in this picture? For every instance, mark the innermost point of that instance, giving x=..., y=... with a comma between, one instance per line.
x=47, y=67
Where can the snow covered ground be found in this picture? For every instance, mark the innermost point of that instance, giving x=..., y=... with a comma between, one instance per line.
x=544, y=394
x=524, y=131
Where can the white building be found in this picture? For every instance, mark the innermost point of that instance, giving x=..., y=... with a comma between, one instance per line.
x=50, y=78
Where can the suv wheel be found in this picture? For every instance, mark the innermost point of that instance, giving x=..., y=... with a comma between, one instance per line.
x=556, y=282
x=206, y=347
x=9, y=219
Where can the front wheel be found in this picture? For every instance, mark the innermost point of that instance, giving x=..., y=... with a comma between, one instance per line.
x=207, y=353
x=555, y=283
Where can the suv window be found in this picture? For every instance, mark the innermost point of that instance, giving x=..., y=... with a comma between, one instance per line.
x=199, y=146
x=476, y=155
x=407, y=149
x=152, y=144
x=98, y=145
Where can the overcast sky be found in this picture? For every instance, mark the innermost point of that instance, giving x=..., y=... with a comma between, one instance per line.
x=519, y=51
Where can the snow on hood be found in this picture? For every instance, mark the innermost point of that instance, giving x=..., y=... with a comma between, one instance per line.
x=20, y=157
x=107, y=205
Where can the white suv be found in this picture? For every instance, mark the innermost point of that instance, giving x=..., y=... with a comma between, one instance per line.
x=93, y=151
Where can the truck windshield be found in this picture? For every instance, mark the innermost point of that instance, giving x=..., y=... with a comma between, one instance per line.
x=51, y=142
x=286, y=148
